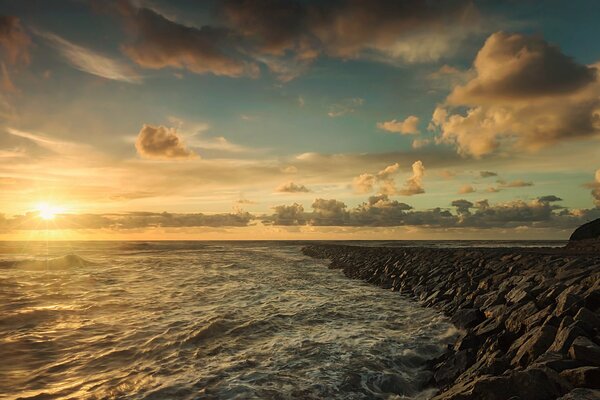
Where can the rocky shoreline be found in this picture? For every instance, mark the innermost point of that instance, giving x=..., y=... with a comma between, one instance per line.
x=529, y=318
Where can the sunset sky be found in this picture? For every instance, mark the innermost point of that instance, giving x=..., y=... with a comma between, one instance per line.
x=272, y=119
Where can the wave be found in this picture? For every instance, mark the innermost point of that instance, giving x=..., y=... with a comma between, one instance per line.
x=64, y=262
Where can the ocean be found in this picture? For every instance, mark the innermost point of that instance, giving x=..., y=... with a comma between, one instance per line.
x=205, y=320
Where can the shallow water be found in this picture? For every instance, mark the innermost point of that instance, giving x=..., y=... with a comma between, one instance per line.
x=187, y=320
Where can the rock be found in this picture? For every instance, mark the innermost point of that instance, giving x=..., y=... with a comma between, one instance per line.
x=588, y=377
x=590, y=230
x=467, y=318
x=590, y=320
x=581, y=394
x=556, y=361
x=531, y=384
x=567, y=332
x=566, y=301
x=537, y=344
x=448, y=370
x=583, y=349
x=516, y=319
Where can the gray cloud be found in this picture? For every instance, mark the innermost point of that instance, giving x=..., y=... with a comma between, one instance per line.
x=487, y=174
x=514, y=184
x=161, y=142
x=291, y=187
x=287, y=215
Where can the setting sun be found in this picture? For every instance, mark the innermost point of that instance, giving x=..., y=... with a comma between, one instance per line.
x=47, y=211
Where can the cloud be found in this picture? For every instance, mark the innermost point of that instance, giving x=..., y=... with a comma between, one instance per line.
x=328, y=212
x=525, y=94
x=160, y=142
x=291, y=187
x=160, y=43
x=595, y=186
x=377, y=29
x=13, y=40
x=487, y=174
x=514, y=184
x=414, y=184
x=365, y=183
x=126, y=221
x=381, y=211
x=410, y=126
x=287, y=215
x=346, y=106
x=418, y=143
x=464, y=189
x=91, y=62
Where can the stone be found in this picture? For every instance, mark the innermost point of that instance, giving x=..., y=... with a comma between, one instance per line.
x=590, y=320
x=448, y=370
x=581, y=394
x=588, y=377
x=590, y=230
x=537, y=344
x=556, y=361
x=567, y=332
x=467, y=318
x=583, y=349
x=566, y=301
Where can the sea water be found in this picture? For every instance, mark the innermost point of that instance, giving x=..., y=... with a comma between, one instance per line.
x=204, y=320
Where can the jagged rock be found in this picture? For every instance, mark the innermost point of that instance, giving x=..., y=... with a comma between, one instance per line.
x=531, y=384
x=556, y=361
x=590, y=230
x=567, y=332
x=448, y=370
x=581, y=394
x=588, y=377
x=583, y=349
x=539, y=341
x=566, y=301
x=516, y=319
x=467, y=318
x=590, y=320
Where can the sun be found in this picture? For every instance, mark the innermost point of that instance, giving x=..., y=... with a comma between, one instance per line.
x=47, y=211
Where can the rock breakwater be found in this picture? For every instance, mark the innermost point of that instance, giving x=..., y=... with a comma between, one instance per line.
x=530, y=318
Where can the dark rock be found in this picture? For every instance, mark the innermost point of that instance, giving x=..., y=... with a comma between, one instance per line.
x=467, y=318
x=590, y=230
x=590, y=320
x=588, y=377
x=581, y=394
x=537, y=344
x=447, y=371
x=567, y=333
x=583, y=349
x=556, y=361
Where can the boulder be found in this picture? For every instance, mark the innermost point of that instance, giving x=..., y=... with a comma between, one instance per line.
x=581, y=394
x=588, y=377
x=590, y=230
x=467, y=318
x=541, y=338
x=583, y=349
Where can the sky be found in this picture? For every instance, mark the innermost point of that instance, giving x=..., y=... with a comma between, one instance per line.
x=273, y=119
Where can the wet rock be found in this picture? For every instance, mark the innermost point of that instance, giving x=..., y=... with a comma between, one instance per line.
x=447, y=371
x=583, y=349
x=588, y=377
x=467, y=318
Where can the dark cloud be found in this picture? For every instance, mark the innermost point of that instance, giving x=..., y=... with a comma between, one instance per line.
x=13, y=39
x=487, y=174
x=287, y=215
x=595, y=186
x=329, y=212
x=462, y=206
x=549, y=199
x=348, y=28
x=162, y=143
x=291, y=187
x=160, y=42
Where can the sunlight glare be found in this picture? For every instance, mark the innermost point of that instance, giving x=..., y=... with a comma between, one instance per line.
x=47, y=211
